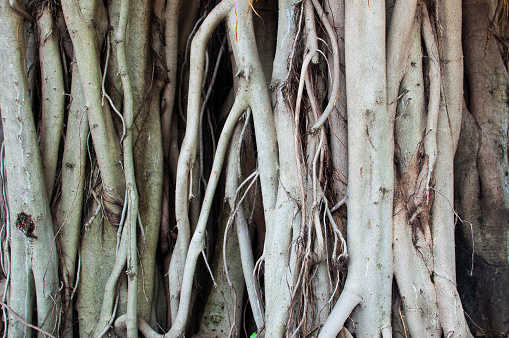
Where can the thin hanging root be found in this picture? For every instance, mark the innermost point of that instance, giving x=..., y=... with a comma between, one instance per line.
x=312, y=46
x=197, y=241
x=232, y=193
x=6, y=225
x=309, y=259
x=248, y=267
x=328, y=261
x=304, y=278
x=130, y=178
x=186, y=57
x=301, y=282
x=205, y=102
x=142, y=230
x=430, y=139
x=122, y=221
x=236, y=206
x=302, y=272
x=318, y=151
x=312, y=37
x=339, y=204
x=305, y=305
x=336, y=288
x=5, y=249
x=304, y=264
x=334, y=94
x=7, y=281
x=57, y=310
x=402, y=318
x=103, y=89
x=462, y=221
x=110, y=289
x=187, y=159
x=78, y=274
x=110, y=321
x=343, y=257
x=344, y=254
x=316, y=202
x=211, y=130
x=296, y=134
x=251, y=177
x=87, y=224
x=231, y=218
x=228, y=279
x=256, y=277
x=239, y=145
x=18, y=317
x=219, y=290
x=4, y=191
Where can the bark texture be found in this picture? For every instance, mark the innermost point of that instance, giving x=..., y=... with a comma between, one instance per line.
x=236, y=168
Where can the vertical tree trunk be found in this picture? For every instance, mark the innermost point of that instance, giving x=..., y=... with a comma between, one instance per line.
x=34, y=259
x=482, y=174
